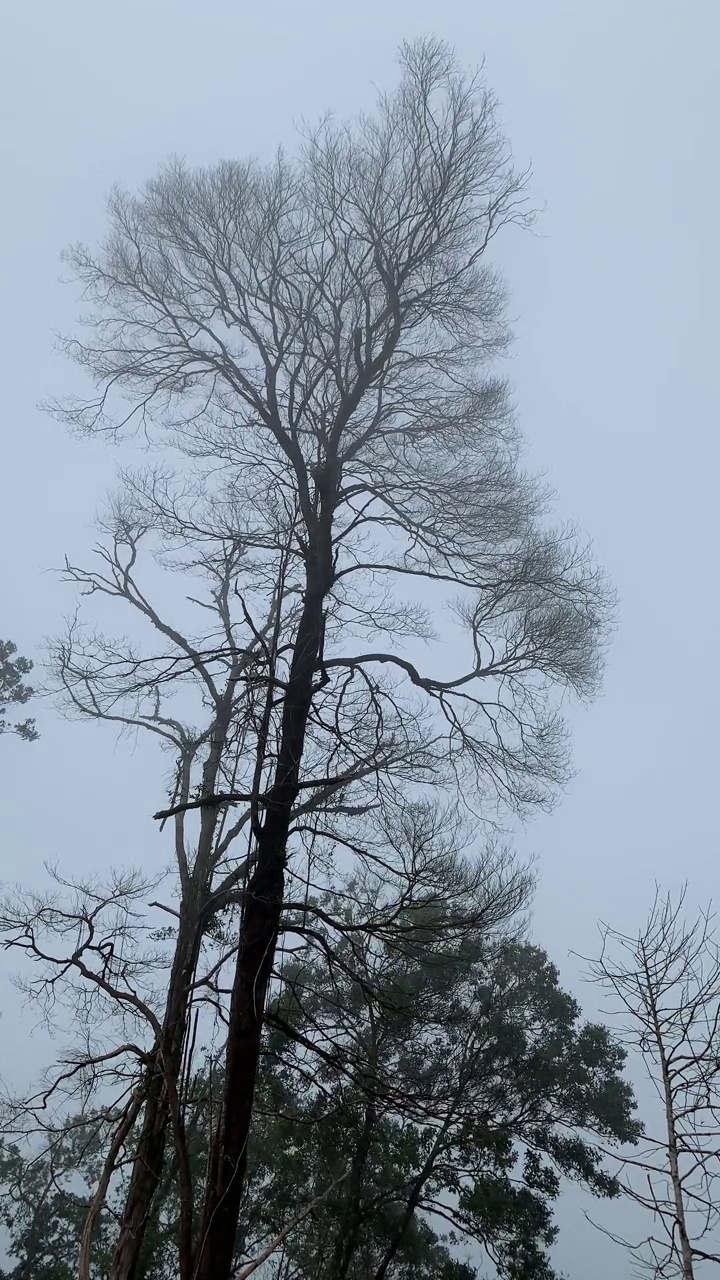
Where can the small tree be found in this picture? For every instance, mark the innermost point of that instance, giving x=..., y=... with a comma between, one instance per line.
x=14, y=692
x=315, y=335
x=667, y=982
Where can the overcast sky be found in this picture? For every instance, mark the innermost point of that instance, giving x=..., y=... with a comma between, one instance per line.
x=615, y=372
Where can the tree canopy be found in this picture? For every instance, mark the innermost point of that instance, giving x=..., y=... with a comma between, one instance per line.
x=341, y=505
x=424, y=1090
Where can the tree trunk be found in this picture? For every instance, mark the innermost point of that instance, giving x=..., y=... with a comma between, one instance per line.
x=166, y=1066
x=412, y=1203
x=686, y=1255
x=150, y=1153
x=259, y=931
x=349, y=1227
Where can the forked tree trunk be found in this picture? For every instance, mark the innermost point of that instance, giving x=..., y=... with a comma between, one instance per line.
x=149, y=1157
x=164, y=1070
x=259, y=931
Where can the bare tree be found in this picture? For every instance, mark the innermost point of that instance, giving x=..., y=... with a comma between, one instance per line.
x=314, y=336
x=667, y=982
x=206, y=699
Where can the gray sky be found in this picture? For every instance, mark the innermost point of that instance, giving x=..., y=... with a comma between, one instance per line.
x=616, y=300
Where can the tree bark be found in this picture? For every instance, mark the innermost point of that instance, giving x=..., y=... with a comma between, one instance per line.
x=166, y=1065
x=150, y=1153
x=686, y=1254
x=259, y=931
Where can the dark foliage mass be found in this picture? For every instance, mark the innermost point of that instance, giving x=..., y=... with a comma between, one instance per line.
x=14, y=692
x=334, y=962
x=421, y=1095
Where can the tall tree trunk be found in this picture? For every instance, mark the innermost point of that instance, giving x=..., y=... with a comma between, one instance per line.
x=150, y=1153
x=349, y=1226
x=686, y=1254
x=259, y=931
x=164, y=1071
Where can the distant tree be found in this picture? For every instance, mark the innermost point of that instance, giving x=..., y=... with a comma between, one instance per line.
x=666, y=980
x=43, y=1206
x=13, y=692
x=315, y=338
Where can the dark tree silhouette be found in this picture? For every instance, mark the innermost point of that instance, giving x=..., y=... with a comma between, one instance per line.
x=425, y=1082
x=315, y=339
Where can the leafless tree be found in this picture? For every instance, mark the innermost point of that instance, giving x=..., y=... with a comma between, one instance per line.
x=314, y=337
x=667, y=982
x=135, y=1001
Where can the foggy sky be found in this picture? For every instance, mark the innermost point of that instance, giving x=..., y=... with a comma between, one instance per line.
x=614, y=370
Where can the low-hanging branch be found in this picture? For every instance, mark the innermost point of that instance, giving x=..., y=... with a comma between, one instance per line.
x=246, y=797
